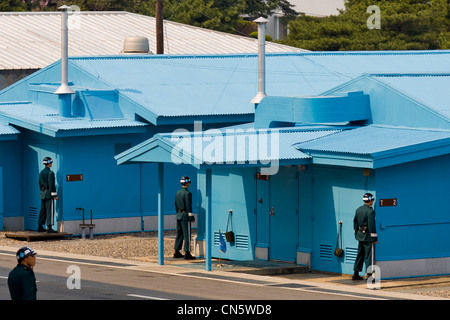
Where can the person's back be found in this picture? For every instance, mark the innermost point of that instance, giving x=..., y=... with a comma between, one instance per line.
x=183, y=199
x=361, y=222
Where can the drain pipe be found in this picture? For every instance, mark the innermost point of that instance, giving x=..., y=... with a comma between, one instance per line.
x=64, y=92
x=261, y=60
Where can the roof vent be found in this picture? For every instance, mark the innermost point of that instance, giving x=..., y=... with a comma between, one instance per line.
x=136, y=44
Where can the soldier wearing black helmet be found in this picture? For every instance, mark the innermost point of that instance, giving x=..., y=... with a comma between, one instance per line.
x=365, y=233
x=184, y=215
x=21, y=280
x=48, y=196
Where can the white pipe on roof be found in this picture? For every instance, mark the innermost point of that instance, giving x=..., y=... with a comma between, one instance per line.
x=261, y=60
x=64, y=91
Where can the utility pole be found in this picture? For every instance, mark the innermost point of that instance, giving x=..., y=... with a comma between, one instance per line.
x=159, y=27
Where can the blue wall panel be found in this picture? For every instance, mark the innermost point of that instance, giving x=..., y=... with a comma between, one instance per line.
x=284, y=214
x=337, y=193
x=113, y=191
x=1, y=198
x=234, y=189
x=418, y=227
x=11, y=162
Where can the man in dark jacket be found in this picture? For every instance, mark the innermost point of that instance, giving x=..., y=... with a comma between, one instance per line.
x=48, y=196
x=184, y=215
x=21, y=280
x=365, y=233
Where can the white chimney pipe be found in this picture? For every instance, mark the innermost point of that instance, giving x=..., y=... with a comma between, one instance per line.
x=64, y=91
x=261, y=60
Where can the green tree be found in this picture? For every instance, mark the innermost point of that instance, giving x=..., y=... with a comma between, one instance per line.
x=218, y=15
x=12, y=5
x=257, y=8
x=404, y=25
x=221, y=15
x=105, y=5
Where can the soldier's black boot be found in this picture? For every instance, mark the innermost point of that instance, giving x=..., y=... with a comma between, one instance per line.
x=40, y=229
x=177, y=254
x=188, y=256
x=356, y=276
x=50, y=230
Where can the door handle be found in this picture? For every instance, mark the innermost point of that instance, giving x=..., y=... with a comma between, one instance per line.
x=272, y=212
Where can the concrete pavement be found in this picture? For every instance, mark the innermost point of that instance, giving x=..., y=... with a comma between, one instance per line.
x=235, y=271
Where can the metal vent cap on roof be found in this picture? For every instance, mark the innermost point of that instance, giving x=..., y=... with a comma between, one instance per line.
x=136, y=44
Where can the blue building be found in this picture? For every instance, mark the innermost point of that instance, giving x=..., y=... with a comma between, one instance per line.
x=120, y=101
x=302, y=166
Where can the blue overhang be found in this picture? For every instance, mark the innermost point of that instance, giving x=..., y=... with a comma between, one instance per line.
x=377, y=146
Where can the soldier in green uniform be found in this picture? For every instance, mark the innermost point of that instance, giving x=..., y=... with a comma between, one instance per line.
x=21, y=280
x=48, y=196
x=184, y=215
x=365, y=233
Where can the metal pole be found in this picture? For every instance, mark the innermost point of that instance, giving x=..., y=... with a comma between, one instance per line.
x=208, y=217
x=159, y=27
x=373, y=258
x=161, y=213
x=190, y=227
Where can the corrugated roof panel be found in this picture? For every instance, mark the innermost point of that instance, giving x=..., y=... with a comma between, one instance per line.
x=235, y=145
x=208, y=84
x=49, y=118
x=376, y=62
x=372, y=139
x=7, y=130
x=31, y=40
x=418, y=87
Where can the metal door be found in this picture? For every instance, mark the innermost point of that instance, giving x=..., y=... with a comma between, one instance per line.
x=283, y=214
x=1, y=198
x=33, y=156
x=262, y=211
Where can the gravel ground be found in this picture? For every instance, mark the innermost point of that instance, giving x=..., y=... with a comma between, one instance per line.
x=436, y=293
x=141, y=246
x=132, y=246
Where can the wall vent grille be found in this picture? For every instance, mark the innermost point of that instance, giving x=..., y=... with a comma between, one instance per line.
x=326, y=252
x=241, y=241
x=350, y=254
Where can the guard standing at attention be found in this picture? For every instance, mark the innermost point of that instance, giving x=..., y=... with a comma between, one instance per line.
x=48, y=196
x=365, y=233
x=183, y=207
x=21, y=280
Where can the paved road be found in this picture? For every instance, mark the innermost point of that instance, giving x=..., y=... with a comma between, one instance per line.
x=102, y=280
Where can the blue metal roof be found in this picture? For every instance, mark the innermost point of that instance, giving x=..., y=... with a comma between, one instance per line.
x=233, y=145
x=431, y=89
x=206, y=85
x=355, y=63
x=372, y=143
x=46, y=120
x=166, y=89
x=173, y=86
x=7, y=132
